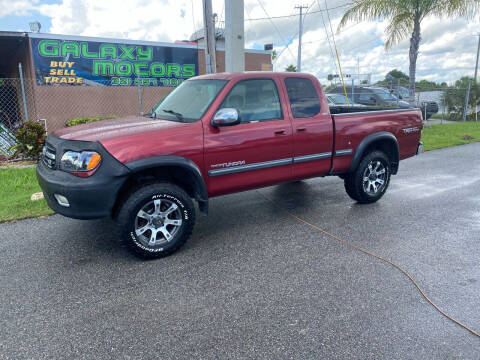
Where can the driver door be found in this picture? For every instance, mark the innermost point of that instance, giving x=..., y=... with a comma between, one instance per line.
x=258, y=151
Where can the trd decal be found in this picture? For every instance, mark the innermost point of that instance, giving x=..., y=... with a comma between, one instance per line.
x=410, y=130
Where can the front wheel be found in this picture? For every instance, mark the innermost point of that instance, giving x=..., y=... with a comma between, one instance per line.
x=156, y=220
x=371, y=178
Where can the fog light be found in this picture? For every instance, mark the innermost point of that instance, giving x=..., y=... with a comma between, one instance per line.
x=62, y=200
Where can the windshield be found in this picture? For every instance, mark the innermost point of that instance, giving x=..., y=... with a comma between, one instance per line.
x=189, y=101
x=384, y=95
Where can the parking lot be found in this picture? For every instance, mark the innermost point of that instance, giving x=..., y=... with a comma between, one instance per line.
x=253, y=282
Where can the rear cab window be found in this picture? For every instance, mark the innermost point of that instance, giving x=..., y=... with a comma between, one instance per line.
x=303, y=97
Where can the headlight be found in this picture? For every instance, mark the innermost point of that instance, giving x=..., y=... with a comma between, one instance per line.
x=73, y=161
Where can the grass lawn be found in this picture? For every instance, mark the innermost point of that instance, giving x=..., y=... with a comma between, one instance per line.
x=438, y=116
x=16, y=187
x=445, y=135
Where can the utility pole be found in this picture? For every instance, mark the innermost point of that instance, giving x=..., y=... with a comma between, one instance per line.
x=476, y=66
x=209, y=36
x=300, y=31
x=234, y=36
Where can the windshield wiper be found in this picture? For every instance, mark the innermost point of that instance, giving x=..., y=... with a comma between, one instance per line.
x=177, y=114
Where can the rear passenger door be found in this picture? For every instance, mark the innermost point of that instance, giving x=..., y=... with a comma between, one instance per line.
x=312, y=127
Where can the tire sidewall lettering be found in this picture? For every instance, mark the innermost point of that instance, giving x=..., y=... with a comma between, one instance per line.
x=142, y=203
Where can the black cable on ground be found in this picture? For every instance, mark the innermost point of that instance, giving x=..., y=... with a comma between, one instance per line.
x=404, y=272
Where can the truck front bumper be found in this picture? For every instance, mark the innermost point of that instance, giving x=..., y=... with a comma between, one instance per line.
x=77, y=197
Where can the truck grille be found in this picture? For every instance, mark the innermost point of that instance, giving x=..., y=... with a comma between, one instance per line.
x=49, y=156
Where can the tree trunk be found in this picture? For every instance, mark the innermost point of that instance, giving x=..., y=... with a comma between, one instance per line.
x=414, y=45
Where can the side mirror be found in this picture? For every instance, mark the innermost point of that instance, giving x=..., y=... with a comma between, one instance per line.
x=226, y=117
x=373, y=100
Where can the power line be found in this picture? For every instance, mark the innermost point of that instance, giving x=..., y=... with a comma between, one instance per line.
x=336, y=51
x=338, y=32
x=288, y=16
x=296, y=34
x=328, y=39
x=193, y=20
x=275, y=26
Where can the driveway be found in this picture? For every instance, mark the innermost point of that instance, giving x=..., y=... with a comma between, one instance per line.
x=254, y=283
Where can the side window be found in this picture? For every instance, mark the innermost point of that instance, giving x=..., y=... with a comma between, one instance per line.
x=255, y=100
x=303, y=97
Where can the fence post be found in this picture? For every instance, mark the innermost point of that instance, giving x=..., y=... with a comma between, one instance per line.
x=444, y=108
x=398, y=91
x=467, y=98
x=22, y=86
x=353, y=91
x=139, y=94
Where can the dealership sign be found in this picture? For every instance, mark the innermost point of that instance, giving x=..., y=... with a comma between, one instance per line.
x=78, y=62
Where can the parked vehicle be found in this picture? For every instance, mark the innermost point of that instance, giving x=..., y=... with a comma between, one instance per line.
x=340, y=100
x=378, y=96
x=214, y=135
x=372, y=96
x=429, y=108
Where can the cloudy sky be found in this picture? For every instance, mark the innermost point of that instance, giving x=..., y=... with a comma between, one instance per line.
x=447, y=52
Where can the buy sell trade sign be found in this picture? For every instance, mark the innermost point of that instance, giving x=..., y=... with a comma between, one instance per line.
x=76, y=61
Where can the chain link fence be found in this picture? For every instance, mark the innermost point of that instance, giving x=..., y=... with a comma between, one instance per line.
x=61, y=103
x=57, y=104
x=17, y=103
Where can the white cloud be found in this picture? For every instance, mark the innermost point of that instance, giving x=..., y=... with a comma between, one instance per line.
x=447, y=52
x=16, y=7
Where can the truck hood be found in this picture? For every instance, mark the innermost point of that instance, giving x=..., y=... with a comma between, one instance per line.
x=114, y=128
x=136, y=137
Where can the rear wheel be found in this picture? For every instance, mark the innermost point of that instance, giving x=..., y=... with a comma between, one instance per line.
x=370, y=180
x=156, y=220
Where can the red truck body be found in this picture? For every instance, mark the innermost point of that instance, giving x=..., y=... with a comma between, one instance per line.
x=144, y=171
x=135, y=138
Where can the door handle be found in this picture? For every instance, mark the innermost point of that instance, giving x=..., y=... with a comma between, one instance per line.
x=280, y=132
x=301, y=129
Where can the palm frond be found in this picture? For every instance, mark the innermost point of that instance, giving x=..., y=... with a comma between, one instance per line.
x=461, y=8
x=399, y=28
x=361, y=10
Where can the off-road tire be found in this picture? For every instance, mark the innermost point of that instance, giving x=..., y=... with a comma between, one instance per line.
x=142, y=198
x=354, y=182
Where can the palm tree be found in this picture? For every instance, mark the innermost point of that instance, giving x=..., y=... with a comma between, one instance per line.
x=404, y=18
x=291, y=68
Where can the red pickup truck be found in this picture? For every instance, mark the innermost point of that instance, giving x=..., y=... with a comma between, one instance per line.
x=214, y=135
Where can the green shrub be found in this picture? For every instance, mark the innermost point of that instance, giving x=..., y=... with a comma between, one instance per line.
x=86, y=120
x=30, y=138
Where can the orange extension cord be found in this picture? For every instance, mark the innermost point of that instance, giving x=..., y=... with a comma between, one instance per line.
x=336, y=238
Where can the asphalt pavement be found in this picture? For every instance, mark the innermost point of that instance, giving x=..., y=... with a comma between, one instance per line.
x=253, y=283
